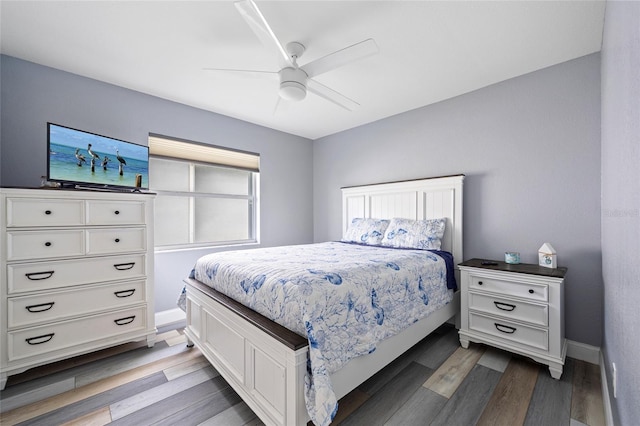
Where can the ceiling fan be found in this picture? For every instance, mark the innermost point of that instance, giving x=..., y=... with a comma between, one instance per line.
x=296, y=80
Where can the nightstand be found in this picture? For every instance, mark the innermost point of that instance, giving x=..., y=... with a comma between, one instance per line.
x=518, y=308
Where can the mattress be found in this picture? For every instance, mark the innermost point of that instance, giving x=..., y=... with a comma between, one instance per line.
x=344, y=298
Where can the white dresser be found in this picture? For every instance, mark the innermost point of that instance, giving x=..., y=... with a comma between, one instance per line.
x=518, y=308
x=77, y=274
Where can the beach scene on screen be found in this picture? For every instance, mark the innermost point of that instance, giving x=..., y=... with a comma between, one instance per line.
x=81, y=157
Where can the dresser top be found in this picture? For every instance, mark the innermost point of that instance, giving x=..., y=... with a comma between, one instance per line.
x=73, y=192
x=522, y=268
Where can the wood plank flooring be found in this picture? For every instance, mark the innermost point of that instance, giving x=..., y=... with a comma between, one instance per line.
x=435, y=383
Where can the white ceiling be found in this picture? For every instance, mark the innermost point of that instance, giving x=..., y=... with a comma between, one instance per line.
x=429, y=50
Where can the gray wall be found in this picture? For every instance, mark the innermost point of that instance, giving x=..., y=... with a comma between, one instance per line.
x=621, y=205
x=33, y=94
x=530, y=150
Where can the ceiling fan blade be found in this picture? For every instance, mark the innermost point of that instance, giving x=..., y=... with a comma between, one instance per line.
x=275, y=108
x=331, y=95
x=341, y=57
x=261, y=28
x=249, y=73
x=282, y=106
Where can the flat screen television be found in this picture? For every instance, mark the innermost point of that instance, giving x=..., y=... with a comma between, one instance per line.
x=82, y=159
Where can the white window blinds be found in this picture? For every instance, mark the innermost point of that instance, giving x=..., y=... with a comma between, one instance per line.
x=171, y=148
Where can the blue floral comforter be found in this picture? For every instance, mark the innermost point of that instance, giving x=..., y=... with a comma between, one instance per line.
x=345, y=298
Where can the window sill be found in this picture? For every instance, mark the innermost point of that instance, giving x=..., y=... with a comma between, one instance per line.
x=213, y=247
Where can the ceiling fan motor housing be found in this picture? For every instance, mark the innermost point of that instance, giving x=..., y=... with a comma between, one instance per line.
x=293, y=84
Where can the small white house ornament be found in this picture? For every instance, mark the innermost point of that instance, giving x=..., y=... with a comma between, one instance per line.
x=547, y=256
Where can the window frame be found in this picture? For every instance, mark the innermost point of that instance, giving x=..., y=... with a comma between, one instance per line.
x=253, y=225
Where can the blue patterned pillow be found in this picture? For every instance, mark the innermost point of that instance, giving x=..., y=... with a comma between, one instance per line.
x=423, y=234
x=366, y=231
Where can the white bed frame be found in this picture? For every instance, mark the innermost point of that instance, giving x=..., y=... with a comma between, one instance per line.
x=265, y=363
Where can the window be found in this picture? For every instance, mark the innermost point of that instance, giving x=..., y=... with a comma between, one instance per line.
x=206, y=195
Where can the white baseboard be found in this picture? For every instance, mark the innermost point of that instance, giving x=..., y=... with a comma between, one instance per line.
x=583, y=352
x=170, y=316
x=606, y=399
x=593, y=355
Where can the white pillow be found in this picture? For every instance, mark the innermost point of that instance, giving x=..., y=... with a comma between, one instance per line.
x=423, y=234
x=366, y=231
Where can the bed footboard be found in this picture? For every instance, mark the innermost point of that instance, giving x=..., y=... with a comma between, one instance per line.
x=263, y=362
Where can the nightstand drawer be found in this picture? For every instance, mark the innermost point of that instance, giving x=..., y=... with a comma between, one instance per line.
x=531, y=291
x=34, y=309
x=507, y=330
x=118, y=240
x=48, y=338
x=43, y=212
x=510, y=309
x=66, y=273
x=115, y=213
x=28, y=245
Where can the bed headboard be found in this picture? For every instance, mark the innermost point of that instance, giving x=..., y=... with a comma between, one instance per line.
x=430, y=198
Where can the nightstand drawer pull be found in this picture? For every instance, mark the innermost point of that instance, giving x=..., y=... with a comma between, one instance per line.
x=117, y=212
x=38, y=340
x=48, y=244
x=531, y=291
x=35, y=276
x=504, y=306
x=125, y=321
x=124, y=266
x=125, y=293
x=47, y=212
x=479, y=282
x=505, y=328
x=40, y=308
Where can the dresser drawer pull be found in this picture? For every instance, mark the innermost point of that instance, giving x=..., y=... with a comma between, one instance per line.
x=504, y=306
x=117, y=212
x=479, y=282
x=117, y=240
x=505, y=328
x=124, y=266
x=40, y=308
x=530, y=291
x=124, y=293
x=47, y=212
x=48, y=244
x=125, y=321
x=39, y=339
x=37, y=276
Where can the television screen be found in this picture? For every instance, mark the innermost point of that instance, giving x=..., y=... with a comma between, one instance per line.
x=87, y=159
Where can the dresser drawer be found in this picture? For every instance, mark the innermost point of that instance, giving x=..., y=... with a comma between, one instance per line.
x=536, y=292
x=65, y=334
x=27, y=245
x=43, y=212
x=115, y=213
x=531, y=336
x=537, y=314
x=118, y=240
x=30, y=310
x=65, y=273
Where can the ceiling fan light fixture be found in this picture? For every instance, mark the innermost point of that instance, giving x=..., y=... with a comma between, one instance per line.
x=292, y=91
x=293, y=85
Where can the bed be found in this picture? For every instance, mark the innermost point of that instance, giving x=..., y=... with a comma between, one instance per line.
x=292, y=370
